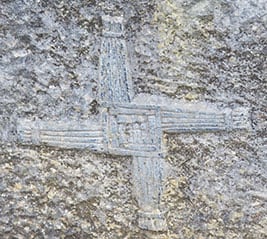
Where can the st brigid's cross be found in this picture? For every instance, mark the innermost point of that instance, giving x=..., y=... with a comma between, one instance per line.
x=127, y=128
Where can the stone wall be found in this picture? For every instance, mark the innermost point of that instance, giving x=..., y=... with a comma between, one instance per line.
x=190, y=51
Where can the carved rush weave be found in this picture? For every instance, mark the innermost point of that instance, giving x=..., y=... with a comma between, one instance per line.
x=127, y=128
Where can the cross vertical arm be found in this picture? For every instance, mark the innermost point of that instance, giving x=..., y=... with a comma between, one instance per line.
x=115, y=85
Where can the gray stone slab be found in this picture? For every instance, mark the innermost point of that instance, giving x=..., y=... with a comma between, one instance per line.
x=132, y=129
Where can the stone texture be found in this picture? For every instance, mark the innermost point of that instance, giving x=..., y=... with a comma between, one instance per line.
x=192, y=51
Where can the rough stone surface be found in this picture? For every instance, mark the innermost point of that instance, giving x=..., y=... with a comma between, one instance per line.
x=193, y=51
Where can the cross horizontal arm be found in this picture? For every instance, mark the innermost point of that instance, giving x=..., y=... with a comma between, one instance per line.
x=71, y=134
x=180, y=121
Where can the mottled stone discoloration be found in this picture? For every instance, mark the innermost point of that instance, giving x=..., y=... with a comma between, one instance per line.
x=130, y=129
x=49, y=66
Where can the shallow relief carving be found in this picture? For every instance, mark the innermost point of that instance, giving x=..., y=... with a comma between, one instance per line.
x=130, y=128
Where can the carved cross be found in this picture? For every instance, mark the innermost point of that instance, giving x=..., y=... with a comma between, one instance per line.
x=127, y=128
